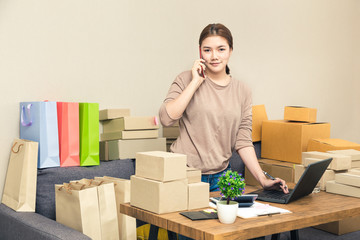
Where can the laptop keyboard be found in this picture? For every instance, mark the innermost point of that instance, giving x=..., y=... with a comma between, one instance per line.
x=275, y=194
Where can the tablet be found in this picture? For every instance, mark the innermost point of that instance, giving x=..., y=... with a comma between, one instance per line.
x=246, y=200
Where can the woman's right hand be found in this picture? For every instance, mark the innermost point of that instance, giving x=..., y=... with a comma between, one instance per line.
x=198, y=67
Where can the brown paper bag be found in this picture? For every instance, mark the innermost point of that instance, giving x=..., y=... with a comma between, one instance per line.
x=20, y=184
x=127, y=224
x=107, y=208
x=77, y=207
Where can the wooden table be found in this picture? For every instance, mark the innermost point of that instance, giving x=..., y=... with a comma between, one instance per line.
x=312, y=210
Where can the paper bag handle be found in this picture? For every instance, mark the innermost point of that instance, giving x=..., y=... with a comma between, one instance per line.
x=18, y=149
x=24, y=121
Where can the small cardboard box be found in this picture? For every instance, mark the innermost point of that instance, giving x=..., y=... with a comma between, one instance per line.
x=355, y=164
x=198, y=195
x=193, y=175
x=299, y=169
x=104, y=151
x=354, y=171
x=159, y=197
x=134, y=134
x=161, y=166
x=258, y=116
x=171, y=132
x=338, y=188
x=338, y=163
x=107, y=114
x=341, y=227
x=354, y=154
x=130, y=123
x=250, y=179
x=285, y=141
x=283, y=170
x=123, y=149
x=348, y=179
x=329, y=144
x=300, y=114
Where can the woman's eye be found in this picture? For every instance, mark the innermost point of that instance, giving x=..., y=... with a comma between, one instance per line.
x=207, y=50
x=222, y=49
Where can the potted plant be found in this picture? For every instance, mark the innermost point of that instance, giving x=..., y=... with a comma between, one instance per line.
x=231, y=184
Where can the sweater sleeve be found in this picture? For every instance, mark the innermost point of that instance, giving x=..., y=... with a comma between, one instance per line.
x=244, y=135
x=175, y=90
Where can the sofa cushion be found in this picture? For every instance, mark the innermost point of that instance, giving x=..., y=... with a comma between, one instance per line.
x=48, y=177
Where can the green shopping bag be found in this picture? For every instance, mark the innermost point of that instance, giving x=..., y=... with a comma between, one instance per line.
x=89, y=134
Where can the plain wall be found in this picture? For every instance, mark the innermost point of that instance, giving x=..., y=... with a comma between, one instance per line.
x=125, y=54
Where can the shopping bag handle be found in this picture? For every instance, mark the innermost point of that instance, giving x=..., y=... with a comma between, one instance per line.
x=24, y=121
x=18, y=149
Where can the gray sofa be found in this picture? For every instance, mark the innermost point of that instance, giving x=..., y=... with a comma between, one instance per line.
x=41, y=224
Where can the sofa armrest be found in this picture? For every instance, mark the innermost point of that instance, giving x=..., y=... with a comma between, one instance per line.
x=26, y=225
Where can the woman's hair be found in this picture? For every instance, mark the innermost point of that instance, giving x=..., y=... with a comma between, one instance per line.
x=217, y=29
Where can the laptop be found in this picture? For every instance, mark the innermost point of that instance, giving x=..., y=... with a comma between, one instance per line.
x=304, y=187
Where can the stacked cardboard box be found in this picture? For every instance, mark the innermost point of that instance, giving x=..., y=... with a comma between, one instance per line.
x=347, y=183
x=161, y=184
x=124, y=135
x=171, y=133
x=280, y=169
x=285, y=140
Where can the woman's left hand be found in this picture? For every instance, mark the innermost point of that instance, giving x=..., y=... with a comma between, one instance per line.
x=277, y=184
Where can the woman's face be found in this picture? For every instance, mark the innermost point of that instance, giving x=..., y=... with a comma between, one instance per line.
x=216, y=52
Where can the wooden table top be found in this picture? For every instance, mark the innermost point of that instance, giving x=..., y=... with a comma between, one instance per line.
x=312, y=210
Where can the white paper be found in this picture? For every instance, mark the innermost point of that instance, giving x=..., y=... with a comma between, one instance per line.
x=257, y=209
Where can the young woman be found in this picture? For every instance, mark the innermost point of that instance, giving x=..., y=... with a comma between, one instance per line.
x=214, y=112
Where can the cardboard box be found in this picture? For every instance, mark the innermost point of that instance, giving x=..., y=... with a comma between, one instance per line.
x=355, y=164
x=338, y=188
x=299, y=169
x=123, y=149
x=250, y=179
x=341, y=227
x=354, y=171
x=348, y=179
x=285, y=141
x=198, y=195
x=193, y=175
x=161, y=166
x=104, y=151
x=130, y=123
x=283, y=170
x=354, y=154
x=159, y=197
x=330, y=144
x=135, y=134
x=107, y=114
x=258, y=116
x=338, y=163
x=300, y=114
x=171, y=132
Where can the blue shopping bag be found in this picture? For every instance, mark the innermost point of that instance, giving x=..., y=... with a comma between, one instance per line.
x=38, y=122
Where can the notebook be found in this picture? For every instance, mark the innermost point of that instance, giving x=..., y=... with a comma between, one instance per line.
x=304, y=187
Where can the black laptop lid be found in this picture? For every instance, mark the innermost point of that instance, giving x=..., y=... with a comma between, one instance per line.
x=309, y=179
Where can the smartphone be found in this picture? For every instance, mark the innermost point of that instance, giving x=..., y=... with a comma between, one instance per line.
x=202, y=70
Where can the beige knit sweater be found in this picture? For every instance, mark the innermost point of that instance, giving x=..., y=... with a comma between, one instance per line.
x=217, y=120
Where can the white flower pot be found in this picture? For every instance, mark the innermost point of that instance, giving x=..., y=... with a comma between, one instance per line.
x=227, y=213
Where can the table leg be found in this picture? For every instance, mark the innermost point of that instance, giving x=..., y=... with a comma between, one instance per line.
x=154, y=231
x=294, y=235
x=172, y=235
x=275, y=236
